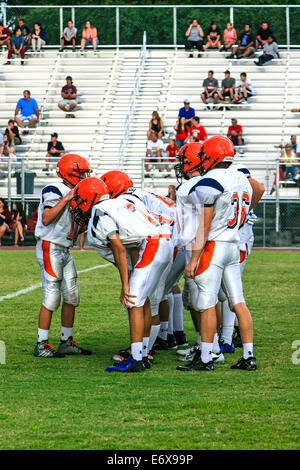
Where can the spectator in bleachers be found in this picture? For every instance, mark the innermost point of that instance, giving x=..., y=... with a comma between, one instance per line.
x=194, y=35
x=196, y=130
x=12, y=132
x=246, y=44
x=7, y=152
x=54, y=149
x=228, y=87
x=235, y=134
x=69, y=36
x=89, y=37
x=172, y=150
x=186, y=111
x=210, y=85
x=27, y=110
x=38, y=37
x=262, y=35
x=5, y=36
x=5, y=218
x=17, y=46
x=229, y=37
x=244, y=88
x=293, y=142
x=69, y=95
x=156, y=124
x=270, y=51
x=213, y=37
x=182, y=132
x=287, y=158
x=155, y=147
x=18, y=222
x=25, y=33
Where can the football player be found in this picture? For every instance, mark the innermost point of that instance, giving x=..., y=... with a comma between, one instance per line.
x=120, y=224
x=221, y=198
x=55, y=233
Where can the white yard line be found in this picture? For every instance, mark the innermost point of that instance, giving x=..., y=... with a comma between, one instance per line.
x=37, y=286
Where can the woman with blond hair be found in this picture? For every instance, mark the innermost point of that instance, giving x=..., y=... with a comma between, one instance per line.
x=156, y=124
x=89, y=37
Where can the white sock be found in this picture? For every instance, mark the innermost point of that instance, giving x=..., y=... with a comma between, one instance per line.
x=206, y=350
x=228, y=318
x=153, y=335
x=145, y=346
x=163, y=333
x=247, y=350
x=171, y=309
x=136, y=351
x=42, y=335
x=178, y=312
x=216, y=347
x=198, y=339
x=66, y=333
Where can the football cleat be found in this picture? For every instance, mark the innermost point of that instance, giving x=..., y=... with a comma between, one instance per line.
x=218, y=358
x=161, y=344
x=184, y=352
x=226, y=348
x=43, y=349
x=180, y=338
x=128, y=365
x=191, y=354
x=70, y=348
x=245, y=364
x=147, y=362
x=120, y=357
x=197, y=365
x=171, y=340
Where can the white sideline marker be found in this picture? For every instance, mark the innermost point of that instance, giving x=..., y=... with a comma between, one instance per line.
x=37, y=286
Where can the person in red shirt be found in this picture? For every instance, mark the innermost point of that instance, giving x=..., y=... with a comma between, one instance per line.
x=182, y=132
x=235, y=133
x=172, y=150
x=196, y=130
x=5, y=36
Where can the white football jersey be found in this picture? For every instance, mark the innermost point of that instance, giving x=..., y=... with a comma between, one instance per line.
x=228, y=190
x=59, y=229
x=132, y=221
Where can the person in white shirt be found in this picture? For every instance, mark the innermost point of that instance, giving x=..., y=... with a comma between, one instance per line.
x=155, y=147
x=244, y=88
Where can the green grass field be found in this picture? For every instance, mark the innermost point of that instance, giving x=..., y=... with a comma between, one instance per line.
x=72, y=403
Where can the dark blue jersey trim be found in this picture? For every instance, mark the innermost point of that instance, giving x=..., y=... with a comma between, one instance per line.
x=210, y=182
x=245, y=171
x=51, y=189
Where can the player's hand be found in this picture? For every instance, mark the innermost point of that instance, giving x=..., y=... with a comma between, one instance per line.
x=70, y=195
x=126, y=298
x=190, y=268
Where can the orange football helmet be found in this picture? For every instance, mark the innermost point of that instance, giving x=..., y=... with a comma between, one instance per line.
x=72, y=169
x=117, y=182
x=189, y=160
x=87, y=193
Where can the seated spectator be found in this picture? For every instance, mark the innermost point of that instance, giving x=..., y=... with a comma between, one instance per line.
x=194, y=35
x=153, y=152
x=196, y=130
x=270, y=51
x=295, y=145
x=210, y=85
x=229, y=36
x=287, y=158
x=228, y=87
x=156, y=124
x=54, y=149
x=18, y=221
x=89, y=37
x=69, y=95
x=38, y=37
x=186, y=111
x=7, y=152
x=182, y=132
x=25, y=33
x=12, y=133
x=246, y=44
x=5, y=36
x=17, y=46
x=244, y=88
x=69, y=36
x=26, y=110
x=262, y=35
x=172, y=150
x=235, y=134
x=213, y=37
x=5, y=219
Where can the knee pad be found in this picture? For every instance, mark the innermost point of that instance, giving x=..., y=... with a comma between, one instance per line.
x=154, y=307
x=205, y=300
x=70, y=292
x=221, y=295
x=52, y=296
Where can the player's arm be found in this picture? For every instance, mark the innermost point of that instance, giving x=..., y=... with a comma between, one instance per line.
x=201, y=239
x=120, y=257
x=50, y=213
x=258, y=191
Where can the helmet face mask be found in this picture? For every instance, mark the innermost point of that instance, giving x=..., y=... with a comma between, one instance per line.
x=188, y=161
x=73, y=169
x=87, y=193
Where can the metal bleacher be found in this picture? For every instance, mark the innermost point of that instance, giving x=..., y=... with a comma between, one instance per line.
x=105, y=81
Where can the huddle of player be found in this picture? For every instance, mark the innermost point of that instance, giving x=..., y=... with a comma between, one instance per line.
x=206, y=236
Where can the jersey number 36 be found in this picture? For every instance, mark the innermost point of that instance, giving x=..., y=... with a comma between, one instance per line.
x=232, y=223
